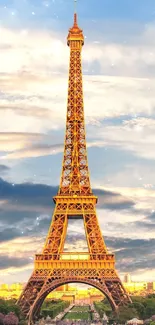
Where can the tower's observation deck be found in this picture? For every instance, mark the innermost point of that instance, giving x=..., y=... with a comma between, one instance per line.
x=75, y=37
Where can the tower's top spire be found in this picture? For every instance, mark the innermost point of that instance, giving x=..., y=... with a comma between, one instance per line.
x=75, y=19
x=75, y=33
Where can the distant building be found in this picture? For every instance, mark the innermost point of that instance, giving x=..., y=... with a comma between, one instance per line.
x=141, y=287
x=68, y=297
x=16, y=286
x=127, y=278
x=135, y=287
x=4, y=287
x=68, y=292
x=151, y=286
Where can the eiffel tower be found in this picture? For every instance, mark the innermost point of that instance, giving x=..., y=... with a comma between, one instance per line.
x=75, y=200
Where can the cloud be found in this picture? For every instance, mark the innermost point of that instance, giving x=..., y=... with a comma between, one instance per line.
x=35, y=151
x=133, y=134
x=9, y=262
x=4, y=169
x=129, y=58
x=109, y=81
x=39, y=196
x=26, y=194
x=10, y=141
x=115, y=202
x=26, y=210
x=26, y=94
x=8, y=233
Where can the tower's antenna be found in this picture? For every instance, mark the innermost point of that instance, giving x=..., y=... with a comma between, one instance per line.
x=75, y=6
x=75, y=13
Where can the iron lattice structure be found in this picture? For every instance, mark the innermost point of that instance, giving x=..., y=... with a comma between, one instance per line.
x=74, y=200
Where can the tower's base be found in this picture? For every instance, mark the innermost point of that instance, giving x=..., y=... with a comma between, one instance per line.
x=50, y=274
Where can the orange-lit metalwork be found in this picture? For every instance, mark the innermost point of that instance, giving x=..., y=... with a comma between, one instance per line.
x=75, y=174
x=74, y=200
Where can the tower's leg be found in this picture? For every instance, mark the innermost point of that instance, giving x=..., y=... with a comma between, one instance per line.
x=118, y=292
x=57, y=231
x=30, y=294
x=94, y=236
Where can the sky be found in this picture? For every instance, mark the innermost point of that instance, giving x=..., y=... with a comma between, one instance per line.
x=118, y=61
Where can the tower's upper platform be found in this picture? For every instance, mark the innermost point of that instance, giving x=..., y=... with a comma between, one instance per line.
x=75, y=33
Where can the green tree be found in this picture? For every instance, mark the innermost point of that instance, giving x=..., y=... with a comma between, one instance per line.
x=53, y=308
x=149, y=307
x=138, y=299
x=126, y=313
x=8, y=306
x=102, y=307
x=3, y=306
x=152, y=295
x=140, y=309
x=13, y=308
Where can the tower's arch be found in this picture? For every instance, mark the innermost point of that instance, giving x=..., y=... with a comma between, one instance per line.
x=35, y=308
